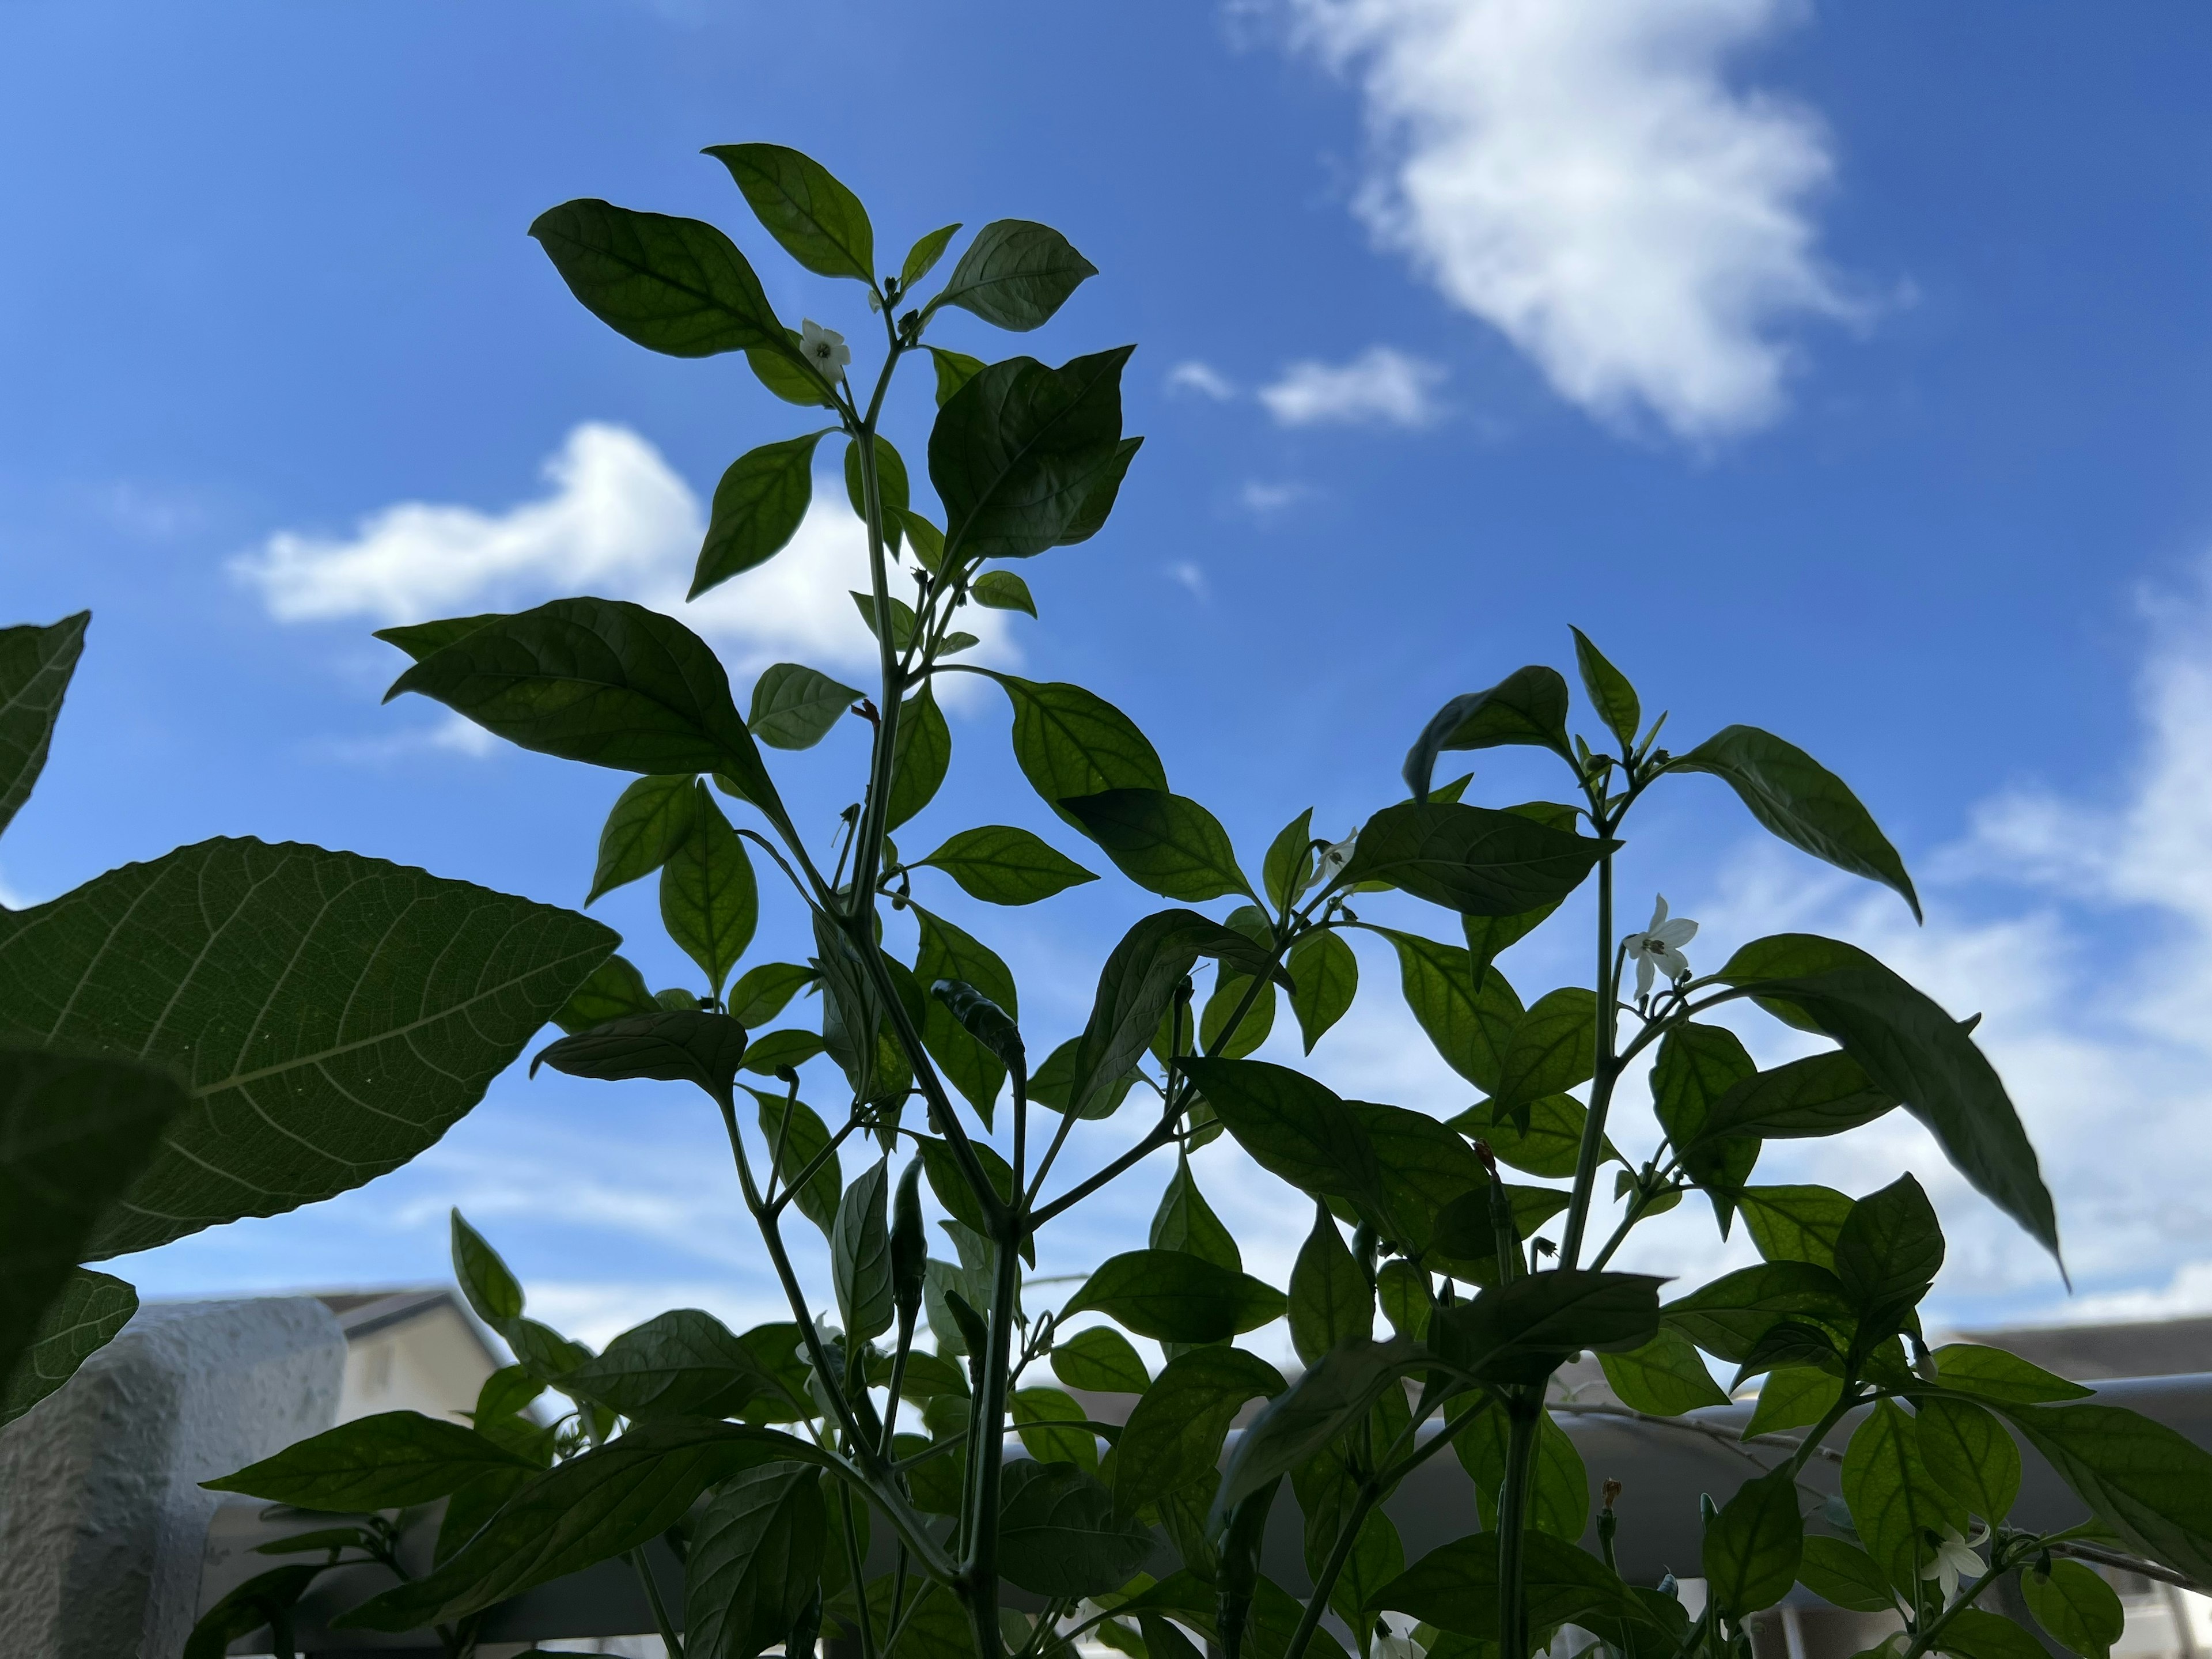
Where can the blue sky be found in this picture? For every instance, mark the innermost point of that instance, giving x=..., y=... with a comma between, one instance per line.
x=1841, y=370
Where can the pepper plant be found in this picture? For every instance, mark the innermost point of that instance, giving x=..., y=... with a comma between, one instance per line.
x=852, y=1470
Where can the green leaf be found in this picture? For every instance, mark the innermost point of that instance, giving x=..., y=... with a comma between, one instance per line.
x=1455, y=1587
x=1549, y=1145
x=949, y=953
x=75, y=1133
x=1471, y=858
x=330, y=1015
x=1327, y=975
x=1135, y=989
x=1887, y=1253
x=709, y=901
x=1069, y=743
x=785, y=372
x=1175, y=1298
x=79, y=1319
x=1001, y=865
x=819, y=222
x=1792, y=1397
x=1795, y=1223
x=1973, y=1633
x=2150, y=1484
x=1895, y=1502
x=1291, y=1126
x=385, y=1462
x=758, y=506
x=1002, y=589
x=954, y=370
x=1968, y=1451
x=1014, y=274
x=1423, y=1166
x=1553, y=1047
x=861, y=1255
x=258, y=1603
x=1470, y=1025
x=1802, y=802
x=2080, y=1610
x=923, y=754
x=489, y=1285
x=1054, y=1429
x=1820, y=1095
x=755, y=1561
x=1999, y=1378
x=794, y=707
x=1331, y=1302
x=1185, y=1221
x=1842, y=1573
x=615, y=990
x=1524, y=1331
x=762, y=990
x=1099, y=1360
x=651, y=819
x=1698, y=1066
x=601, y=681
x=1666, y=1377
x=1025, y=457
x=420, y=640
x=1052, y=1083
x=1230, y=991
x=1175, y=1433
x=1727, y=1317
x=676, y=286
x=1753, y=1547
x=1059, y=1535
x=902, y=618
x=804, y=1138
x=672, y=1046
x=1912, y=1051
x=923, y=256
x=35, y=666
x=601, y=1504
x=1529, y=706
x=680, y=1363
x=1559, y=1487
x=1614, y=698
x=891, y=486
x=778, y=1049
x=1336, y=1392
x=1284, y=871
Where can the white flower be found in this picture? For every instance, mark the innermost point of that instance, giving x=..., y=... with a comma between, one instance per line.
x=1395, y=1646
x=1953, y=1562
x=825, y=349
x=1331, y=863
x=1659, y=948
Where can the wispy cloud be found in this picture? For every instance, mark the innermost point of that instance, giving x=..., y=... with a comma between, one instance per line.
x=1190, y=576
x=1581, y=175
x=1263, y=500
x=615, y=520
x=1203, y=379
x=1380, y=386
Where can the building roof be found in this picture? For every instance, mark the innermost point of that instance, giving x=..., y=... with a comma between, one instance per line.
x=2089, y=1353
x=361, y=1313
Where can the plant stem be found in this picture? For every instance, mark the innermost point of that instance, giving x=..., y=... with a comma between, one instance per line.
x=988, y=1449
x=858, y=1571
x=1926, y=1639
x=1601, y=1078
x=669, y=1638
x=1524, y=1415
x=1347, y=1536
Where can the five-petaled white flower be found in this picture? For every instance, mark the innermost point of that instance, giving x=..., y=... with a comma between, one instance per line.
x=825, y=349
x=1659, y=948
x=1953, y=1561
x=1331, y=863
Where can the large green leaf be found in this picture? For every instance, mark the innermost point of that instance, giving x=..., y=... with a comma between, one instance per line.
x=1553, y=1047
x=1422, y=1167
x=1559, y=1482
x=796, y=1136
x=1470, y=1024
x=1754, y=1545
x=1999, y=1378
x=753, y=1561
x=674, y=285
x=1529, y=706
x=1001, y=865
x=2080, y=1610
x=1455, y=1588
x=388, y=1461
x=1185, y=1221
x=680, y=1363
x=330, y=1015
x=2150, y=1484
x=1135, y=989
x=80, y=1320
x=1326, y=975
x=819, y=222
x=922, y=754
x=651, y=818
x=1968, y=1451
x=1175, y=1297
x=1025, y=457
x=1101, y=1360
x=709, y=901
x=1165, y=843
x=1054, y=1429
x=1728, y=1317
x=1665, y=1377
x=861, y=1255
x=1800, y=801
x=1331, y=1301
x=1291, y=1126
x=1015, y=275
x=1335, y=1393
x=35, y=665
x=1913, y=1051
x=758, y=506
x=74, y=1135
x=1840, y=1571
x=1698, y=1066
x=1611, y=696
x=1887, y=1254
x=1897, y=1505
x=613, y=990
x=1549, y=1143
x=603, y=1504
x=794, y=707
x=1524, y=1331
x=670, y=1045
x=1795, y=1223
x=949, y=953
x=601, y=681
x=1071, y=742
x=1471, y=858
x=1175, y=1432
x=1059, y=1533
x=1820, y=1095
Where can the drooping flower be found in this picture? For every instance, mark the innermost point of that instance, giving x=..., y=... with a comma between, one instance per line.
x=1331, y=863
x=1953, y=1561
x=1658, y=948
x=825, y=349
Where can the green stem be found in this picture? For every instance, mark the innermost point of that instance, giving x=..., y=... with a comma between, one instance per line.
x=1317, y=1603
x=988, y=1448
x=1926, y=1638
x=857, y=1570
x=1601, y=1079
x=1524, y=1415
x=669, y=1638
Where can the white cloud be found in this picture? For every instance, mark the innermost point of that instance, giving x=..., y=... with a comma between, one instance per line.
x=1264, y=501
x=1203, y=379
x=1191, y=577
x=1379, y=387
x=617, y=521
x=1580, y=174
